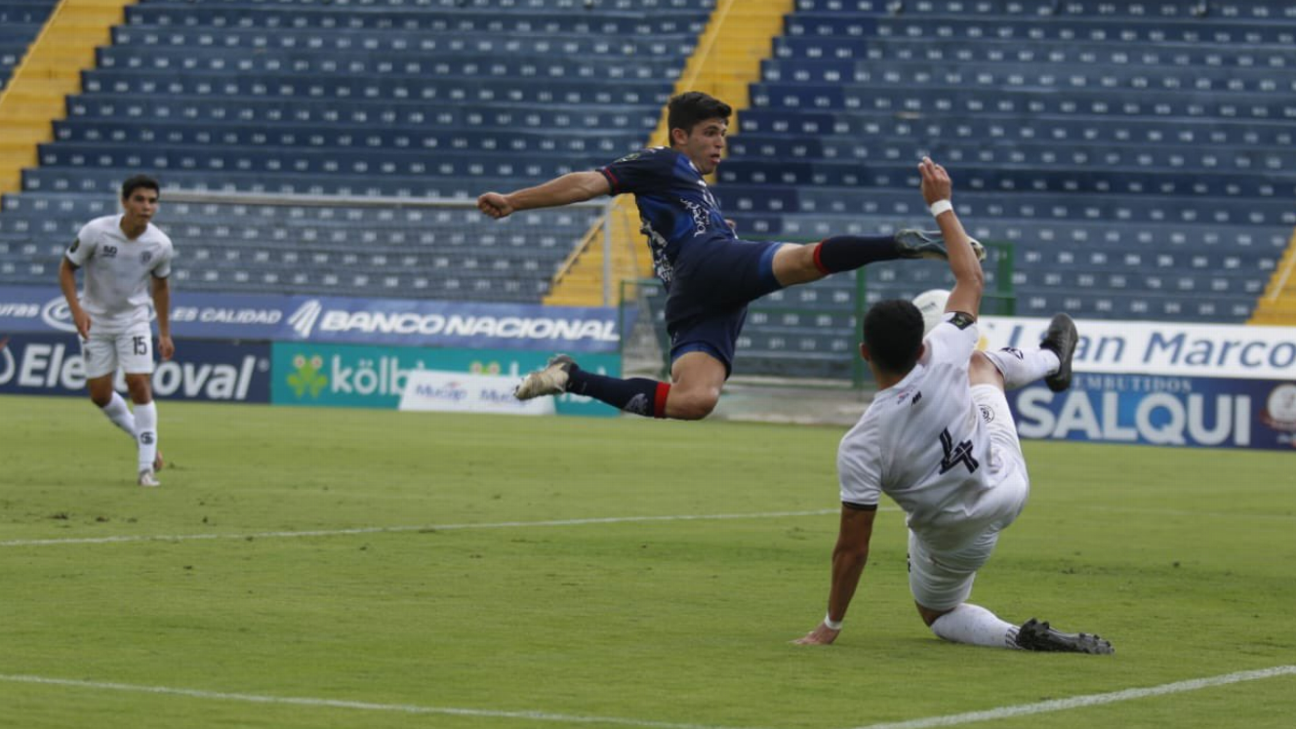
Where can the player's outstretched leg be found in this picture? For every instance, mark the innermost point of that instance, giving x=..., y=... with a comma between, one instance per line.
x=1051, y=361
x=1034, y=635
x=636, y=395
x=1061, y=339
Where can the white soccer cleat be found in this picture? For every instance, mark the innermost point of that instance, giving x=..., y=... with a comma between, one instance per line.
x=147, y=479
x=552, y=380
x=930, y=245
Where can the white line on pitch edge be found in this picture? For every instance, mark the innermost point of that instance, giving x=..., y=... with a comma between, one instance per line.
x=416, y=528
x=357, y=705
x=1077, y=702
x=935, y=721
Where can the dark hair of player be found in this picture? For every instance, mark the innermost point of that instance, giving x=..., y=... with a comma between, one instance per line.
x=688, y=109
x=138, y=181
x=893, y=331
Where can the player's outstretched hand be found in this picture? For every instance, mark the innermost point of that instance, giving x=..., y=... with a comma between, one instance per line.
x=936, y=184
x=82, y=321
x=821, y=635
x=166, y=348
x=495, y=205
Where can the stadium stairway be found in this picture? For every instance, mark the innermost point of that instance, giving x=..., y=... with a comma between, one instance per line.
x=49, y=72
x=1277, y=307
x=726, y=61
x=444, y=98
x=20, y=23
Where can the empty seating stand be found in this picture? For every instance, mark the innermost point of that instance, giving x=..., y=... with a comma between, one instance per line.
x=1136, y=155
x=393, y=98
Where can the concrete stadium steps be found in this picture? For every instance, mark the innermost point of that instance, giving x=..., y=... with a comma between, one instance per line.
x=1277, y=305
x=50, y=71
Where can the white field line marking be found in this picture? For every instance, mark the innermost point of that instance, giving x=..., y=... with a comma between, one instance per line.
x=358, y=705
x=1200, y=513
x=417, y=528
x=1077, y=702
x=935, y=721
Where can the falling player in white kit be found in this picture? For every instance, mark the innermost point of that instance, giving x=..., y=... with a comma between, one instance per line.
x=939, y=439
x=120, y=255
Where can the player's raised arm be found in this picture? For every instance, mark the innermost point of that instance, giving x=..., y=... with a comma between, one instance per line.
x=969, y=280
x=572, y=187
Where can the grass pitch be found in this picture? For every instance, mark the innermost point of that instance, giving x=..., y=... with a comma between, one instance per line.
x=212, y=613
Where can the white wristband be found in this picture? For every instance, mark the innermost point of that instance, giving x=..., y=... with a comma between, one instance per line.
x=940, y=206
x=832, y=624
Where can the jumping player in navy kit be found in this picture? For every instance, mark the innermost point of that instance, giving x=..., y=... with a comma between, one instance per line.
x=710, y=274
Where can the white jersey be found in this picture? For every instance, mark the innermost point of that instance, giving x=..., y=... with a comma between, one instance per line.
x=117, y=272
x=924, y=443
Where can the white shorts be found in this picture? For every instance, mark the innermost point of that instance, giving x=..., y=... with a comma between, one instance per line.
x=942, y=580
x=132, y=350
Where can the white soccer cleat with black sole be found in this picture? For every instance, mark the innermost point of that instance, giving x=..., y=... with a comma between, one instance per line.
x=929, y=245
x=552, y=380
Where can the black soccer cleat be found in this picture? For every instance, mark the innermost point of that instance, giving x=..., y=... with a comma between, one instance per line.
x=1036, y=636
x=929, y=244
x=1061, y=339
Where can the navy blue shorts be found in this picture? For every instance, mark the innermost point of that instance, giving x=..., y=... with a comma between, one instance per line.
x=709, y=293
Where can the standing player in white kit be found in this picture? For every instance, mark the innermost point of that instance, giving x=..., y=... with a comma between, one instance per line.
x=120, y=254
x=940, y=440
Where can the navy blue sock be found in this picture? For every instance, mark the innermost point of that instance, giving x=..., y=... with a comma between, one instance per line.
x=849, y=252
x=637, y=395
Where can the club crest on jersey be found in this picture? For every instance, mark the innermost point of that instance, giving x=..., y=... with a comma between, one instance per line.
x=146, y=256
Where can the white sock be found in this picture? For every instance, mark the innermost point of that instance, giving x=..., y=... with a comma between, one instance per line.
x=975, y=625
x=1020, y=367
x=146, y=425
x=121, y=416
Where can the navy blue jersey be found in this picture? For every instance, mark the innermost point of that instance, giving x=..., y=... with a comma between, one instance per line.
x=677, y=209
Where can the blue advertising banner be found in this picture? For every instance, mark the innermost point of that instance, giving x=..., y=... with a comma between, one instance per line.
x=34, y=309
x=51, y=364
x=1160, y=410
x=375, y=377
